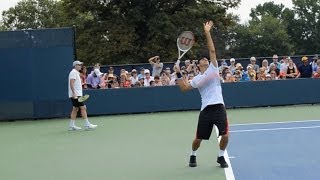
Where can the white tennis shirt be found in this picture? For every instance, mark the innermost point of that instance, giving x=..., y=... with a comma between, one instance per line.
x=209, y=86
x=74, y=74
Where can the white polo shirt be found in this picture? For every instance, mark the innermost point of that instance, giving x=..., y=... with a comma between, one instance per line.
x=74, y=74
x=209, y=86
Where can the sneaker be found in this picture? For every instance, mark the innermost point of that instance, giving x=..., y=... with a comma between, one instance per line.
x=74, y=128
x=90, y=126
x=193, y=161
x=222, y=162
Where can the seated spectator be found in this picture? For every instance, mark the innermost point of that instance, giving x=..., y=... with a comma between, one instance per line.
x=94, y=79
x=291, y=71
x=268, y=77
x=190, y=76
x=223, y=65
x=140, y=82
x=151, y=83
x=156, y=65
x=273, y=75
x=265, y=64
x=251, y=72
x=167, y=72
x=237, y=76
x=273, y=67
x=165, y=79
x=284, y=65
x=232, y=66
x=315, y=63
x=317, y=74
x=305, y=69
x=261, y=76
x=282, y=76
x=134, y=78
x=157, y=81
x=228, y=78
x=262, y=73
x=110, y=70
x=275, y=59
x=141, y=75
x=83, y=77
x=125, y=82
x=148, y=78
x=253, y=62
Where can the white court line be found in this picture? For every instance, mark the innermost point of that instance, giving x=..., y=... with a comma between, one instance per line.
x=279, y=122
x=228, y=171
x=274, y=129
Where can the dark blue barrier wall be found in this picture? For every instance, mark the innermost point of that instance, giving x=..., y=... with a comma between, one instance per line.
x=243, y=94
x=34, y=80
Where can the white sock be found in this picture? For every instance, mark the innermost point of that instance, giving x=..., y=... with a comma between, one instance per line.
x=72, y=123
x=221, y=153
x=87, y=122
x=193, y=153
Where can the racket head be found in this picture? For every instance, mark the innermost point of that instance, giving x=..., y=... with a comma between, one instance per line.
x=185, y=41
x=83, y=98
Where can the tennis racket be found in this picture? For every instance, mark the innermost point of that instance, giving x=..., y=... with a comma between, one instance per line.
x=184, y=43
x=83, y=98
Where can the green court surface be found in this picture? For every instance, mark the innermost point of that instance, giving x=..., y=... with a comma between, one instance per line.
x=124, y=147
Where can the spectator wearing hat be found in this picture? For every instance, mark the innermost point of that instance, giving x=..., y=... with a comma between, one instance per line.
x=148, y=78
x=291, y=71
x=94, y=79
x=305, y=69
x=268, y=77
x=141, y=74
x=253, y=62
x=134, y=78
x=140, y=83
x=156, y=65
x=275, y=59
x=265, y=64
x=232, y=66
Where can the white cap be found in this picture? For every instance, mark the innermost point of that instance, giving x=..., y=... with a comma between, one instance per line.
x=252, y=59
x=232, y=60
x=268, y=75
x=76, y=63
x=146, y=71
x=97, y=72
x=275, y=56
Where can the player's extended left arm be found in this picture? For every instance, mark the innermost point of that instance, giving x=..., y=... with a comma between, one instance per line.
x=212, y=50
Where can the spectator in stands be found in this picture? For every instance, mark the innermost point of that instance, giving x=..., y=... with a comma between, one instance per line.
x=124, y=81
x=275, y=61
x=141, y=75
x=223, y=65
x=83, y=77
x=253, y=62
x=164, y=78
x=156, y=65
x=282, y=76
x=148, y=78
x=190, y=76
x=291, y=71
x=228, y=78
x=110, y=70
x=314, y=63
x=134, y=78
x=94, y=79
x=263, y=72
x=237, y=76
x=187, y=64
x=232, y=66
x=140, y=82
x=305, y=69
x=273, y=75
x=284, y=65
x=157, y=81
x=317, y=74
x=265, y=64
x=273, y=67
x=268, y=77
x=261, y=76
x=167, y=72
x=251, y=72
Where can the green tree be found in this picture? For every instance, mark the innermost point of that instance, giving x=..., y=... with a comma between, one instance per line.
x=33, y=14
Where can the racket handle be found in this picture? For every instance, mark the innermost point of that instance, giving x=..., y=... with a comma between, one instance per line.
x=178, y=62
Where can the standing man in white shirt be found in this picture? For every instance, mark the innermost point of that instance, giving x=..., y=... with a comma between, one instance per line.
x=213, y=111
x=75, y=91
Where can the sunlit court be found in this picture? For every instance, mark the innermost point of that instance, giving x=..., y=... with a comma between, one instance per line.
x=265, y=143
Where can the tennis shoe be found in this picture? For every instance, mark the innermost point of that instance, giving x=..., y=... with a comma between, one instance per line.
x=193, y=161
x=222, y=162
x=74, y=128
x=90, y=126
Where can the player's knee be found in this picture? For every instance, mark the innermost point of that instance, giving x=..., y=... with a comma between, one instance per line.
x=83, y=108
x=76, y=109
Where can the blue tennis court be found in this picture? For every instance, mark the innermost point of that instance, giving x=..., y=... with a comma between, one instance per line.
x=277, y=150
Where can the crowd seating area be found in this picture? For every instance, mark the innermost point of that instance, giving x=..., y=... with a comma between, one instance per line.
x=157, y=73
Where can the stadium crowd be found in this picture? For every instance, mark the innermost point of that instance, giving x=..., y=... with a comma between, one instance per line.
x=234, y=72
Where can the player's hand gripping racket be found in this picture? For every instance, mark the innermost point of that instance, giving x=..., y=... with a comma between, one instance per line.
x=83, y=98
x=184, y=43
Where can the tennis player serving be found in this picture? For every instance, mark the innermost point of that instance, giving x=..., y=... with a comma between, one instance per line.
x=213, y=111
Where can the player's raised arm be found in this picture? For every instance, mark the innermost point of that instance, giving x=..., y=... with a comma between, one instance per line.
x=212, y=50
